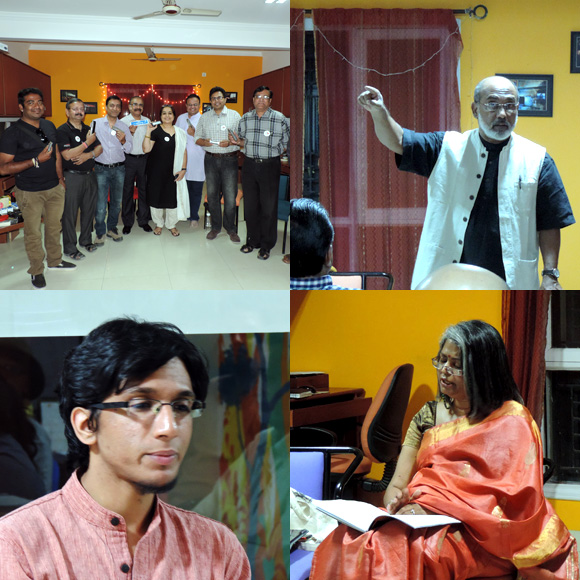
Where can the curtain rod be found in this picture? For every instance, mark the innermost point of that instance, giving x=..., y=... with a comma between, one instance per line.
x=471, y=12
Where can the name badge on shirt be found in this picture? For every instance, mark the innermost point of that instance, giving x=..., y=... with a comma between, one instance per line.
x=77, y=139
x=267, y=133
x=223, y=127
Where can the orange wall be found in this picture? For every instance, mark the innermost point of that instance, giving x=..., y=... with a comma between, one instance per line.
x=84, y=71
x=358, y=337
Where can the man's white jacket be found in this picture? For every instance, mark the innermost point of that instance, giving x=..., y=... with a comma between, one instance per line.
x=452, y=190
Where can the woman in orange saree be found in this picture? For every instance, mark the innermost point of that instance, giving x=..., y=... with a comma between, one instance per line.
x=480, y=461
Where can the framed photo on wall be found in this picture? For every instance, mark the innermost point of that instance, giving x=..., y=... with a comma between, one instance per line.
x=536, y=94
x=575, y=53
x=206, y=107
x=232, y=97
x=66, y=94
x=91, y=108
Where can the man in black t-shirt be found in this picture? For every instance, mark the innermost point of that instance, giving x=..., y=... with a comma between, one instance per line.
x=78, y=148
x=29, y=151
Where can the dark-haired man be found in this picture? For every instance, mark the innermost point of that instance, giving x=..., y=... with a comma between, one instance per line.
x=78, y=148
x=129, y=393
x=29, y=151
x=264, y=135
x=311, y=237
x=221, y=162
x=135, y=165
x=116, y=140
x=195, y=175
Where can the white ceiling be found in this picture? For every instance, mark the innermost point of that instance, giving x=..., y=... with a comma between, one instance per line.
x=243, y=24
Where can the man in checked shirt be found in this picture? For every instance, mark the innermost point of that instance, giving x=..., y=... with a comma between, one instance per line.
x=264, y=135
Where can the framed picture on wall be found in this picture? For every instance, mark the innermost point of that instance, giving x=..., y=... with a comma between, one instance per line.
x=206, y=107
x=91, y=108
x=536, y=94
x=232, y=97
x=66, y=94
x=575, y=53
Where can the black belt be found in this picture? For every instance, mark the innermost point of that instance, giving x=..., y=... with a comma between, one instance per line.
x=231, y=154
x=79, y=172
x=258, y=160
x=110, y=164
x=134, y=155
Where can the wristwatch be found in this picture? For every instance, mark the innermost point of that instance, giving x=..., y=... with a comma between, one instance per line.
x=552, y=272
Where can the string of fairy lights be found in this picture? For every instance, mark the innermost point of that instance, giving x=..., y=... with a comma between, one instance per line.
x=150, y=90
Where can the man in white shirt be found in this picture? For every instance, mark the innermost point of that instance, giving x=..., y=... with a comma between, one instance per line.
x=135, y=163
x=195, y=174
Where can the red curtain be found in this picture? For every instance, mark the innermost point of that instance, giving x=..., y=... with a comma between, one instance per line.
x=296, y=101
x=154, y=96
x=378, y=211
x=524, y=322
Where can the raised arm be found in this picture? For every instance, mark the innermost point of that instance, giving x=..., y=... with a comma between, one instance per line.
x=147, y=143
x=389, y=132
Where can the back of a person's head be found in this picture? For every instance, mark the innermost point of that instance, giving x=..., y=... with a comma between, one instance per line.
x=311, y=235
x=115, y=355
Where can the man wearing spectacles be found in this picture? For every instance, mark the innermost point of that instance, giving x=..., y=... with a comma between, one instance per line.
x=264, y=135
x=220, y=163
x=129, y=394
x=79, y=148
x=28, y=150
x=135, y=166
x=495, y=199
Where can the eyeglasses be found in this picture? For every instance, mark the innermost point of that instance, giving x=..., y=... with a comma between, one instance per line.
x=441, y=364
x=32, y=103
x=145, y=409
x=41, y=135
x=495, y=107
x=216, y=99
x=262, y=97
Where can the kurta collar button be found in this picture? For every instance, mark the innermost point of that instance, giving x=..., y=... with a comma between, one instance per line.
x=125, y=568
x=479, y=176
x=115, y=521
x=464, y=219
x=483, y=154
x=460, y=242
x=471, y=197
x=455, y=261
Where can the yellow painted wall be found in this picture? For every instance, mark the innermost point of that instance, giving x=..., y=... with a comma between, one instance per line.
x=520, y=38
x=358, y=337
x=84, y=71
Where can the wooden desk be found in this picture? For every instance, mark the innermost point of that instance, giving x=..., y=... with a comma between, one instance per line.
x=340, y=411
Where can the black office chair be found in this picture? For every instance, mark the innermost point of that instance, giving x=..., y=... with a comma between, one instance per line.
x=359, y=279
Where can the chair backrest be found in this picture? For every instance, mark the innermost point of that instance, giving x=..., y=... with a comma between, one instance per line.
x=382, y=428
x=360, y=279
x=283, y=201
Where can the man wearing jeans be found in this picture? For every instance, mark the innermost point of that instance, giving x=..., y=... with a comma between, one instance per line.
x=221, y=162
x=29, y=151
x=116, y=140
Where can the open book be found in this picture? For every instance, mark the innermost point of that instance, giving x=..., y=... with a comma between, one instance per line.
x=364, y=516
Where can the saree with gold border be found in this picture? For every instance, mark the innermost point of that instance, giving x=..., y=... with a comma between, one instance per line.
x=488, y=475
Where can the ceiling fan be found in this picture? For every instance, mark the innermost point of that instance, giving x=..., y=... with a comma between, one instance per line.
x=151, y=56
x=170, y=8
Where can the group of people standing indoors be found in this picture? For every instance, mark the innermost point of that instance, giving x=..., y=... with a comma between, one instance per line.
x=94, y=169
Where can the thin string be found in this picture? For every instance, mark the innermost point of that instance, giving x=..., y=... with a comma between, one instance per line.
x=410, y=70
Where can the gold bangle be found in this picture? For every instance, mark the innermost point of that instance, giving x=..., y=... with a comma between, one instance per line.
x=147, y=137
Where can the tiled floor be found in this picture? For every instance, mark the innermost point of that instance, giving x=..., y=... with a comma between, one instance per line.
x=143, y=261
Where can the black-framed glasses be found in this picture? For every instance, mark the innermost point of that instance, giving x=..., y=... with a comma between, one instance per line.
x=509, y=108
x=41, y=135
x=145, y=409
x=440, y=364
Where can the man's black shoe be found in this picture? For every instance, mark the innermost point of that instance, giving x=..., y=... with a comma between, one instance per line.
x=38, y=281
x=147, y=228
x=127, y=230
